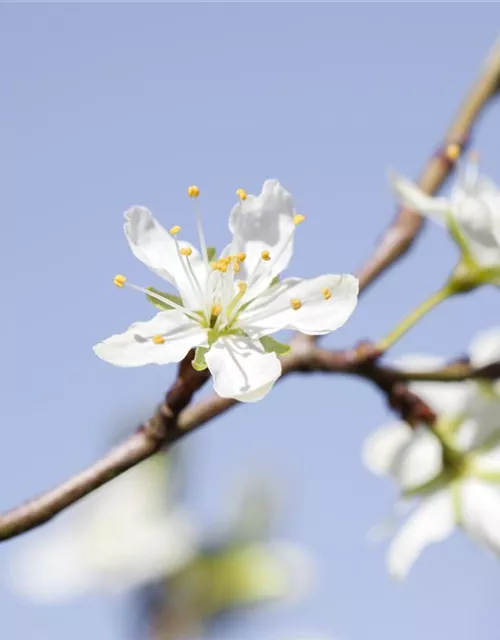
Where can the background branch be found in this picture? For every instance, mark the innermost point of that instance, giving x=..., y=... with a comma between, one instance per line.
x=174, y=417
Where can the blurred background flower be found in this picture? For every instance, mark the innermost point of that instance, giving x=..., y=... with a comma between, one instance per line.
x=135, y=533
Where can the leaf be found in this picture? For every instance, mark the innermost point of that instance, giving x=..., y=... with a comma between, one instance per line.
x=273, y=346
x=211, y=253
x=164, y=306
x=198, y=362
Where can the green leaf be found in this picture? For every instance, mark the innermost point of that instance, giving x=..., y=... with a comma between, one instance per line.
x=164, y=306
x=199, y=363
x=211, y=253
x=273, y=346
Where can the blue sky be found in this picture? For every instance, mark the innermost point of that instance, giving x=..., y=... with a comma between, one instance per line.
x=108, y=105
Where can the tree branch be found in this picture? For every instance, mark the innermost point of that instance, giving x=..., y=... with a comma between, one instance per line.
x=174, y=418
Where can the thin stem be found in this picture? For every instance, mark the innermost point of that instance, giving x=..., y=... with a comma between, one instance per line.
x=412, y=319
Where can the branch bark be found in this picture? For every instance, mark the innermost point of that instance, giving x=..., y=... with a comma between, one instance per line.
x=174, y=418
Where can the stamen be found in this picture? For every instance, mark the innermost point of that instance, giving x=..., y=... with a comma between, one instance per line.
x=193, y=191
x=158, y=339
x=216, y=310
x=236, y=267
x=295, y=303
x=222, y=265
x=265, y=255
x=327, y=293
x=241, y=256
x=213, y=266
x=242, y=288
x=174, y=230
x=167, y=301
x=453, y=151
x=298, y=218
x=186, y=251
x=241, y=193
x=119, y=280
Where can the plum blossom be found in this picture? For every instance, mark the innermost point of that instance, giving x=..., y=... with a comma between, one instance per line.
x=228, y=306
x=120, y=537
x=471, y=212
x=449, y=475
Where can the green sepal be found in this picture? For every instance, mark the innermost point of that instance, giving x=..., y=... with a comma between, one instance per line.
x=198, y=362
x=164, y=306
x=275, y=281
x=458, y=236
x=273, y=346
x=211, y=253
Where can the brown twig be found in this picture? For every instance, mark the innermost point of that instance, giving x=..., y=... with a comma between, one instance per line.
x=175, y=418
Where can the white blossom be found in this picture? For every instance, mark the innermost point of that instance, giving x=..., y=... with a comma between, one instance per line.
x=229, y=306
x=243, y=565
x=450, y=473
x=472, y=210
x=118, y=538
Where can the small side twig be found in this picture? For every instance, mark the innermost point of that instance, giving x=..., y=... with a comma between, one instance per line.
x=407, y=224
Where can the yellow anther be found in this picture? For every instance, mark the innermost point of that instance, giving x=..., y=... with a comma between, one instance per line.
x=216, y=310
x=265, y=255
x=242, y=286
x=222, y=267
x=158, y=339
x=186, y=251
x=298, y=218
x=174, y=230
x=241, y=256
x=225, y=260
x=327, y=294
x=453, y=151
x=213, y=265
x=193, y=191
x=119, y=280
x=241, y=193
x=295, y=303
x=236, y=267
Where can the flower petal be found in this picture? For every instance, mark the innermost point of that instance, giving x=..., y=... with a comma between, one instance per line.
x=432, y=521
x=150, y=242
x=420, y=460
x=411, y=195
x=481, y=512
x=156, y=248
x=412, y=456
x=145, y=550
x=477, y=216
x=317, y=315
x=489, y=461
x=135, y=347
x=485, y=348
x=264, y=223
x=50, y=567
x=444, y=398
x=381, y=448
x=241, y=369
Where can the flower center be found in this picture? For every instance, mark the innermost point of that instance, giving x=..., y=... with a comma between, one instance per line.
x=219, y=293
